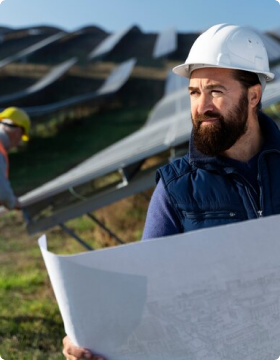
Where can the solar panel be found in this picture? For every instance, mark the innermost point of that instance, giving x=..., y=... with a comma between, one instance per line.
x=174, y=83
x=118, y=77
x=271, y=94
x=166, y=43
x=174, y=100
x=276, y=71
x=144, y=143
x=112, y=84
x=141, y=182
x=108, y=44
x=56, y=73
x=32, y=49
x=174, y=103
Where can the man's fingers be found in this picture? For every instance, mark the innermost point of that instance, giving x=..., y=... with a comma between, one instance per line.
x=73, y=352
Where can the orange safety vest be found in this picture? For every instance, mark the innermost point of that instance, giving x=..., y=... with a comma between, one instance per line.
x=4, y=152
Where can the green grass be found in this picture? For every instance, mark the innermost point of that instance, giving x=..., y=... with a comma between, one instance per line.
x=30, y=322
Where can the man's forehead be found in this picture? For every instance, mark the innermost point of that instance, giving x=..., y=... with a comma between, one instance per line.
x=212, y=75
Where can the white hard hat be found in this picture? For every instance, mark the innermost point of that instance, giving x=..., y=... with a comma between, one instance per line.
x=231, y=47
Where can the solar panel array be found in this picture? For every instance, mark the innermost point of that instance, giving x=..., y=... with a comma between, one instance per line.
x=168, y=126
x=112, y=84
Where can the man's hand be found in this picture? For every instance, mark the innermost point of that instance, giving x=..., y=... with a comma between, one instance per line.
x=72, y=352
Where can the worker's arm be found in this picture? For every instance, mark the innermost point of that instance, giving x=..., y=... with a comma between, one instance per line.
x=7, y=197
x=161, y=219
x=72, y=352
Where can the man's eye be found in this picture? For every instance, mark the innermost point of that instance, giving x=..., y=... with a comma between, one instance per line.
x=193, y=92
x=216, y=92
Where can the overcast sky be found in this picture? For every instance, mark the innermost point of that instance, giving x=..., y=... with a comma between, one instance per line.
x=149, y=15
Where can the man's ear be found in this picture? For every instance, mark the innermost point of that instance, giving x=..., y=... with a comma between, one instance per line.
x=254, y=95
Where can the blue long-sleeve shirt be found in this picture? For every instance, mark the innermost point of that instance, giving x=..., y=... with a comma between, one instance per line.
x=161, y=218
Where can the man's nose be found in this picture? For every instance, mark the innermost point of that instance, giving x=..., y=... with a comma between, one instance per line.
x=205, y=104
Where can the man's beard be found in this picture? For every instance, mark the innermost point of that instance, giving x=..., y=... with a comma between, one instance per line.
x=216, y=138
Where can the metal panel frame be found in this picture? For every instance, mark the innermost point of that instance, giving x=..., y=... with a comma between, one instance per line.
x=143, y=181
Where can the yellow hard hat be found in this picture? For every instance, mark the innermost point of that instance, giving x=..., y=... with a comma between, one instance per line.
x=17, y=117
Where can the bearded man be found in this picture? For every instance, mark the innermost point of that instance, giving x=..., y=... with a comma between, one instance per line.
x=232, y=171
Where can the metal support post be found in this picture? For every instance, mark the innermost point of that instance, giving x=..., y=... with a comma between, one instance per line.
x=92, y=217
x=76, y=237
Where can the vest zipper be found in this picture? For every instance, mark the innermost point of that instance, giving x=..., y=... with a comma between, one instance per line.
x=211, y=214
x=261, y=196
x=253, y=203
x=257, y=211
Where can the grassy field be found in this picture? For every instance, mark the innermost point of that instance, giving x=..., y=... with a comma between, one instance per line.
x=30, y=323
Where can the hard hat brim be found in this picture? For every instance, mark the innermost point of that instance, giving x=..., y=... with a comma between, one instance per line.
x=184, y=70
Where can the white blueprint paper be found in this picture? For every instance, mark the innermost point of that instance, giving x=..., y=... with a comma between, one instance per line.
x=211, y=294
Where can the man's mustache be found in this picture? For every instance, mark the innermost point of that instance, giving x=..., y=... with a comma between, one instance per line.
x=206, y=116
